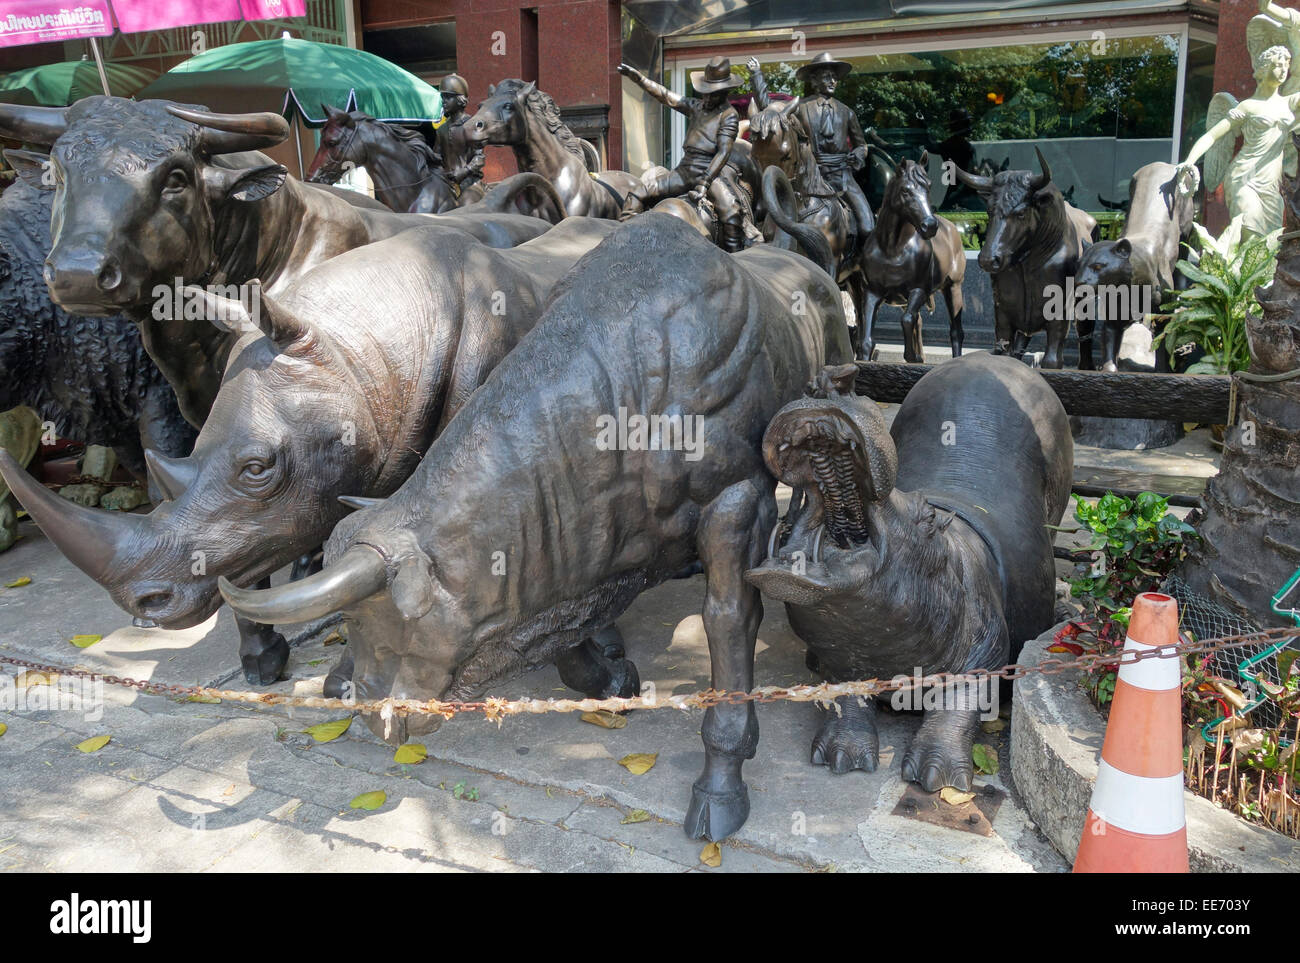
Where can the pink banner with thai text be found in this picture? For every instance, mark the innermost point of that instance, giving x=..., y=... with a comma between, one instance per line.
x=42, y=21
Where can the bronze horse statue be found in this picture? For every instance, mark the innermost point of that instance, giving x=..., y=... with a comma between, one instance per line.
x=910, y=255
x=518, y=115
x=804, y=210
x=408, y=173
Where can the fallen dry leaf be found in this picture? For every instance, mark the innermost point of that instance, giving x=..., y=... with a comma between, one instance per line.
x=19, y=582
x=3, y=728
x=94, y=743
x=206, y=700
x=711, y=855
x=636, y=816
x=993, y=725
x=30, y=678
x=411, y=754
x=955, y=797
x=605, y=719
x=639, y=763
x=370, y=801
x=328, y=731
x=85, y=641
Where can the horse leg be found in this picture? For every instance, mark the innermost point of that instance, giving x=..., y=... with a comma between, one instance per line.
x=867, y=323
x=1056, y=332
x=1019, y=342
x=956, y=305
x=913, y=351
x=1086, y=328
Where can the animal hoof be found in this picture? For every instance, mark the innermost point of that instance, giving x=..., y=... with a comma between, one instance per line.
x=843, y=746
x=935, y=766
x=338, y=682
x=267, y=666
x=716, y=815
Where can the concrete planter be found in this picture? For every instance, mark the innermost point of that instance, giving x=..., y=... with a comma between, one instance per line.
x=1056, y=737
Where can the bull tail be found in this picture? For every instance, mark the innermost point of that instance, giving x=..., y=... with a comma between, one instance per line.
x=780, y=200
x=513, y=193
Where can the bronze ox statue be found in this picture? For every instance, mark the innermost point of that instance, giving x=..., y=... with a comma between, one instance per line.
x=1138, y=269
x=1034, y=245
x=655, y=322
x=335, y=386
x=147, y=192
x=919, y=549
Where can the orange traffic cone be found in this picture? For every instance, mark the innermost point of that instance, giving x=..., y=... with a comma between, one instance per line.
x=1136, y=822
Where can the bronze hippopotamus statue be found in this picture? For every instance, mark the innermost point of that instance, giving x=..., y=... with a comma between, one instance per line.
x=921, y=548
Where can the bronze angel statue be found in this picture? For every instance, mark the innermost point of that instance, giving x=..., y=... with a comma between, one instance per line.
x=1251, y=180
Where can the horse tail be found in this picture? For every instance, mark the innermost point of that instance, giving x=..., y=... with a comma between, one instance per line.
x=589, y=156
x=509, y=196
x=781, y=203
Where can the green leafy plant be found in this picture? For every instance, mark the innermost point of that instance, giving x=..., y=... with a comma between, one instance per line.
x=1212, y=312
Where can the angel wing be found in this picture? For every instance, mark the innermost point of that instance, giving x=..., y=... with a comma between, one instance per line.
x=1218, y=157
x=1263, y=32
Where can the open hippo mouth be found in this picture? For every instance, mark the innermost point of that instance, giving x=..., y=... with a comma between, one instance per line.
x=830, y=453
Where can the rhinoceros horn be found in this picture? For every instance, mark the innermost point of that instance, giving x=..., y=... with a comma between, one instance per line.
x=228, y=133
x=34, y=125
x=89, y=538
x=358, y=574
x=1043, y=179
x=171, y=475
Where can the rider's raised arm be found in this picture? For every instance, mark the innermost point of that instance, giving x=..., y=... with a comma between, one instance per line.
x=758, y=83
x=658, y=91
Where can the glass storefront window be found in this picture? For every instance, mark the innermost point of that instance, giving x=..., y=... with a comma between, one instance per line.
x=1099, y=107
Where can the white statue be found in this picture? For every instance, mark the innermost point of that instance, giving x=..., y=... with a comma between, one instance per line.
x=1252, y=180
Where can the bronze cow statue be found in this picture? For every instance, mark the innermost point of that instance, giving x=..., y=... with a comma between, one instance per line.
x=654, y=324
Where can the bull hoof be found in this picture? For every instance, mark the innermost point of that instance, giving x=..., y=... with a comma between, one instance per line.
x=267, y=666
x=848, y=739
x=339, y=681
x=935, y=760
x=716, y=815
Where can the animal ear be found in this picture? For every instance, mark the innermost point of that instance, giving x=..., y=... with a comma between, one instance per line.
x=31, y=167
x=277, y=322
x=526, y=91
x=492, y=89
x=925, y=160
x=244, y=184
x=1124, y=247
x=412, y=587
x=753, y=108
x=227, y=314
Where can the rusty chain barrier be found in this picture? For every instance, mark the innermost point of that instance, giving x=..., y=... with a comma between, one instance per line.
x=497, y=709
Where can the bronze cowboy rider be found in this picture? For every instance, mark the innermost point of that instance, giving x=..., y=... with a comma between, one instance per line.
x=837, y=140
x=462, y=160
x=704, y=168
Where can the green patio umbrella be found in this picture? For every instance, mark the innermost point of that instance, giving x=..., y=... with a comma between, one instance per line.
x=288, y=74
x=58, y=85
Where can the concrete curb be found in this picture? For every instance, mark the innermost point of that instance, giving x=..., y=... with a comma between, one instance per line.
x=1056, y=737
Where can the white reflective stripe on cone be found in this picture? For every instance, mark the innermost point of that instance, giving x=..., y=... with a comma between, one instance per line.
x=1141, y=804
x=1154, y=672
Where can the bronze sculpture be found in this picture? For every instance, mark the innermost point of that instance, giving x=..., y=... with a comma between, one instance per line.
x=656, y=321
x=1033, y=248
x=919, y=549
x=407, y=173
x=90, y=377
x=912, y=254
x=335, y=387
x=837, y=138
x=462, y=160
x=706, y=168
x=518, y=115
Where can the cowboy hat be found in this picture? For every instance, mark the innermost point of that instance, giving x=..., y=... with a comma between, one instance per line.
x=716, y=76
x=842, y=68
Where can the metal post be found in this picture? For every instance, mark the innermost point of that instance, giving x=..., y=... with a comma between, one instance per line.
x=99, y=63
x=297, y=142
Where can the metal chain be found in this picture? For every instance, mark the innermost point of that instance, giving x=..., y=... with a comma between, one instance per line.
x=497, y=709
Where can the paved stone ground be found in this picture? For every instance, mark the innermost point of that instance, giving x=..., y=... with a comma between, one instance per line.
x=232, y=787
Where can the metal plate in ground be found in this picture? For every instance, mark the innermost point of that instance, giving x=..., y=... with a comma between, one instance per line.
x=975, y=816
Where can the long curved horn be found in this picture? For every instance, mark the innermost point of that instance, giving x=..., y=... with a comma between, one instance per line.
x=90, y=538
x=358, y=574
x=33, y=125
x=360, y=501
x=1043, y=179
x=973, y=181
x=228, y=133
x=172, y=475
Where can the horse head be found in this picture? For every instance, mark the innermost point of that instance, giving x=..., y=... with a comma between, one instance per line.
x=908, y=195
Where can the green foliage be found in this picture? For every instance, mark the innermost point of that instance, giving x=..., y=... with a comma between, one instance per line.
x=1212, y=312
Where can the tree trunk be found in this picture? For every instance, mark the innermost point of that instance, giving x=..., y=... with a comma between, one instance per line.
x=1250, y=528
